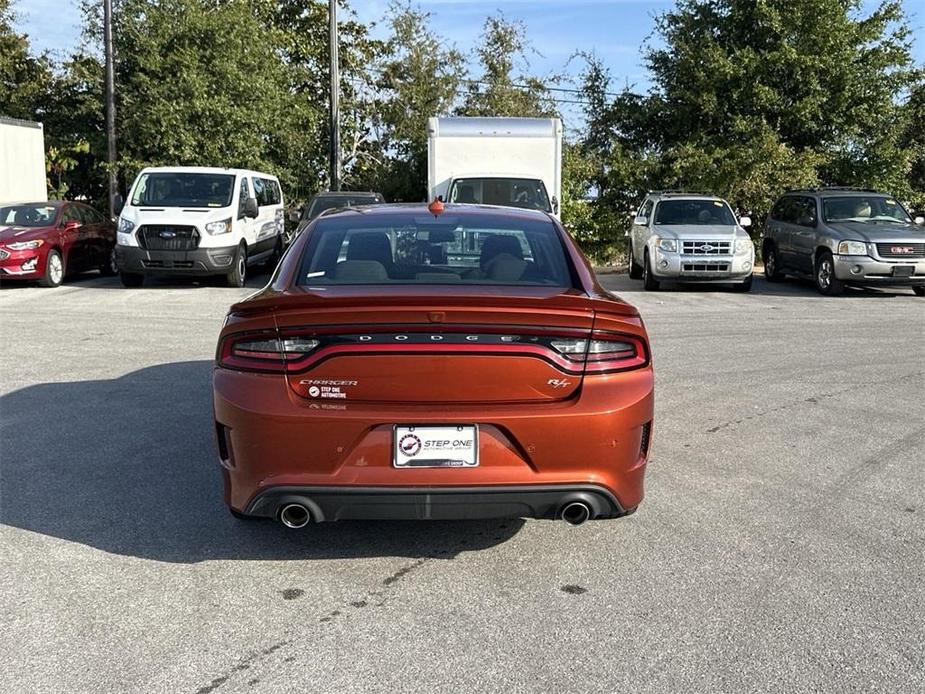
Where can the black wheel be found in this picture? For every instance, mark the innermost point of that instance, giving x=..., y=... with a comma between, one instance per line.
x=745, y=286
x=54, y=270
x=648, y=281
x=109, y=268
x=772, y=271
x=275, y=256
x=635, y=270
x=826, y=281
x=131, y=280
x=919, y=291
x=238, y=273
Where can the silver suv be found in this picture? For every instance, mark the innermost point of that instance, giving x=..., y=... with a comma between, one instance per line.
x=685, y=237
x=842, y=236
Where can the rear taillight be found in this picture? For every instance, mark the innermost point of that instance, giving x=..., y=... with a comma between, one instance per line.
x=604, y=352
x=264, y=351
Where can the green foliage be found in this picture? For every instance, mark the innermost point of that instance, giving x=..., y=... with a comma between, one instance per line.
x=499, y=91
x=23, y=77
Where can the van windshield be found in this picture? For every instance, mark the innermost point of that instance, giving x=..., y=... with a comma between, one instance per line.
x=417, y=249
x=181, y=189
x=529, y=193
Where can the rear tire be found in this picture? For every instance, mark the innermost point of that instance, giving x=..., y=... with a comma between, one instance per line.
x=238, y=273
x=919, y=291
x=772, y=271
x=109, y=268
x=54, y=270
x=743, y=287
x=826, y=281
x=648, y=281
x=131, y=280
x=635, y=270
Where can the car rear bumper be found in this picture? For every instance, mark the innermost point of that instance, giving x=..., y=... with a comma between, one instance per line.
x=871, y=271
x=202, y=261
x=435, y=503
x=272, y=441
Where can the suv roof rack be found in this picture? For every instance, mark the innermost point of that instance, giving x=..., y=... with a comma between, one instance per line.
x=681, y=192
x=822, y=189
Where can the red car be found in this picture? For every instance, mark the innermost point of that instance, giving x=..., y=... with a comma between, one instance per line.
x=46, y=241
x=415, y=362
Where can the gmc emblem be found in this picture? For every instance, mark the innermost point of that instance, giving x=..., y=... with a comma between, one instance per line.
x=899, y=250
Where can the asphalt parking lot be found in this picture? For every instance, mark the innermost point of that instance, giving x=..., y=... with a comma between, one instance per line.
x=780, y=547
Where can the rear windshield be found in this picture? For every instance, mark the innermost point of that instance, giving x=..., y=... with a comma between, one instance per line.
x=417, y=249
x=319, y=205
x=697, y=212
x=528, y=193
x=179, y=189
x=864, y=208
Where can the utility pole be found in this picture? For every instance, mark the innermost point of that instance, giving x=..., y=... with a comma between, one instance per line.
x=335, y=97
x=110, y=105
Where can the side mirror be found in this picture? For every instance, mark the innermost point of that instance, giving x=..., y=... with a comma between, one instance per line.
x=295, y=216
x=250, y=208
x=920, y=220
x=640, y=221
x=555, y=205
x=745, y=221
x=71, y=225
x=118, y=204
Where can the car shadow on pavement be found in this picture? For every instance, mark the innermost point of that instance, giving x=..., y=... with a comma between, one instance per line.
x=128, y=466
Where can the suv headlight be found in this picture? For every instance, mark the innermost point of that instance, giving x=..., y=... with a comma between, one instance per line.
x=852, y=248
x=126, y=225
x=221, y=227
x=669, y=245
x=743, y=246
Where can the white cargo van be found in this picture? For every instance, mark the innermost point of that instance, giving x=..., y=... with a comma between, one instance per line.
x=22, y=161
x=514, y=162
x=198, y=221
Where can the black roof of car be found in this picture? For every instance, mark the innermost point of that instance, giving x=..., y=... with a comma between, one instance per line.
x=835, y=190
x=346, y=194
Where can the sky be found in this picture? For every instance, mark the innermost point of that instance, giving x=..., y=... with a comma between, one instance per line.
x=616, y=30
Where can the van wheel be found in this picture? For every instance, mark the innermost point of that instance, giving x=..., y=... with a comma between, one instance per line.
x=54, y=270
x=648, y=281
x=772, y=271
x=132, y=280
x=635, y=270
x=826, y=281
x=919, y=291
x=238, y=274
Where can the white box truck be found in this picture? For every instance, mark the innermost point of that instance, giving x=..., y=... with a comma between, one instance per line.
x=514, y=162
x=22, y=161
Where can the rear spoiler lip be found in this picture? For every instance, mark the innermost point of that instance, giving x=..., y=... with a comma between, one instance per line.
x=269, y=300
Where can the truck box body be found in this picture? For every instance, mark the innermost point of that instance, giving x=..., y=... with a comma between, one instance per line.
x=516, y=148
x=22, y=161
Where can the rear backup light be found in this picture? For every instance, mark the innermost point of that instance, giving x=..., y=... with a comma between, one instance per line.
x=604, y=352
x=264, y=351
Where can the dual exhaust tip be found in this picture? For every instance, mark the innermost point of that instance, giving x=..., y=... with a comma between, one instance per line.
x=297, y=516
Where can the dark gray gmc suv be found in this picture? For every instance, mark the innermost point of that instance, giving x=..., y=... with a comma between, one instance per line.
x=842, y=236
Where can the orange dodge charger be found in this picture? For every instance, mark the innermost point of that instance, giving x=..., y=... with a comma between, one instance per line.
x=431, y=362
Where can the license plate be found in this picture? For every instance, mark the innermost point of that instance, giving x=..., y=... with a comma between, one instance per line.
x=903, y=270
x=455, y=445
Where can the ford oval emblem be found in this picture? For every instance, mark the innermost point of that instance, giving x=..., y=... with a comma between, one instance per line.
x=706, y=248
x=167, y=234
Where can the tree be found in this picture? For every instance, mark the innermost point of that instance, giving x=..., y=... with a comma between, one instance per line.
x=499, y=91
x=418, y=77
x=23, y=77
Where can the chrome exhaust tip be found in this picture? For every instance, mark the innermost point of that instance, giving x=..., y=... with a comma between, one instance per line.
x=295, y=516
x=576, y=513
